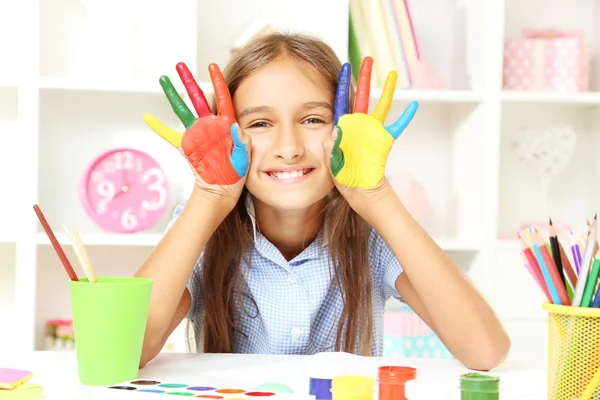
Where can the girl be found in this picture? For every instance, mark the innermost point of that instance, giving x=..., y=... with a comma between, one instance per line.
x=283, y=247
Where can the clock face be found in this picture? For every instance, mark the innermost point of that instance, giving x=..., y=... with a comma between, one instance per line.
x=125, y=191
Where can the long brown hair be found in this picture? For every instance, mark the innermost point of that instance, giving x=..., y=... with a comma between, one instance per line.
x=347, y=231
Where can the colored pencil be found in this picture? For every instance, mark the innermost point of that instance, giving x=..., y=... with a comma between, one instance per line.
x=533, y=273
x=552, y=270
x=576, y=252
x=539, y=261
x=546, y=256
x=596, y=245
x=585, y=265
x=57, y=248
x=591, y=283
x=553, y=239
x=545, y=272
x=568, y=267
x=596, y=301
x=533, y=266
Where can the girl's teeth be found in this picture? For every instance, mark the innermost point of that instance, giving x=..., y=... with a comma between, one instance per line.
x=287, y=175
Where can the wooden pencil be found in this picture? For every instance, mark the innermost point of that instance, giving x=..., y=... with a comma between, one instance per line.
x=559, y=285
x=555, y=251
x=534, y=267
x=575, y=251
x=585, y=265
x=592, y=281
x=567, y=266
x=596, y=246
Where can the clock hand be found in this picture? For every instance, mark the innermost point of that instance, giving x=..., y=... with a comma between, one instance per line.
x=117, y=199
x=124, y=180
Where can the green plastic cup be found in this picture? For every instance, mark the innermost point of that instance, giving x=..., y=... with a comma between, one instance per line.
x=109, y=323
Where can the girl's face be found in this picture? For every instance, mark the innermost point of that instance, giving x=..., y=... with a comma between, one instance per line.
x=288, y=113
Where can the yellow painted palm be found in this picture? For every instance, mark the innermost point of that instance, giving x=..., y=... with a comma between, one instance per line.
x=363, y=143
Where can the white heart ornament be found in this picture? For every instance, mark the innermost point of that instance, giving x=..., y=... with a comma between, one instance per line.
x=547, y=152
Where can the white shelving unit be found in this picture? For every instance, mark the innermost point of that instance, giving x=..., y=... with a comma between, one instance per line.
x=62, y=104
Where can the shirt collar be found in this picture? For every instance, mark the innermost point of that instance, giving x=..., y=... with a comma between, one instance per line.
x=252, y=215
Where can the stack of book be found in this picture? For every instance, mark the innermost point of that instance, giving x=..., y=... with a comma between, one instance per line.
x=383, y=30
x=15, y=384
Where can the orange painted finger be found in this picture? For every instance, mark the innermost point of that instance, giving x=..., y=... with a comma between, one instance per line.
x=224, y=103
x=363, y=86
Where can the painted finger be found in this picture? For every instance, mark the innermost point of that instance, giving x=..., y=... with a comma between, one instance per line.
x=239, y=154
x=363, y=86
x=398, y=127
x=342, y=95
x=224, y=103
x=387, y=95
x=337, y=156
x=170, y=135
x=179, y=107
x=193, y=89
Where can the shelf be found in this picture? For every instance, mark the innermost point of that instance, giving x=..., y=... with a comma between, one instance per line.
x=584, y=98
x=66, y=84
x=8, y=85
x=151, y=239
x=76, y=89
x=433, y=96
x=105, y=239
x=124, y=86
x=448, y=244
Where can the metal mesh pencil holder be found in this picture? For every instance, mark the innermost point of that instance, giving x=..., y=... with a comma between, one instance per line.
x=573, y=352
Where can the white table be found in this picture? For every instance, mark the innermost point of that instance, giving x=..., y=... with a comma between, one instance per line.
x=57, y=372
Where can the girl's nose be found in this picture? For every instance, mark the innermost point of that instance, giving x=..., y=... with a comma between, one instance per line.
x=288, y=145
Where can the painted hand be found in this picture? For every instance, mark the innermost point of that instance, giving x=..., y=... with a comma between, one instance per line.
x=362, y=145
x=211, y=143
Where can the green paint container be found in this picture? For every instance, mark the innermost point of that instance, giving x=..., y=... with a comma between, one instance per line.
x=475, y=386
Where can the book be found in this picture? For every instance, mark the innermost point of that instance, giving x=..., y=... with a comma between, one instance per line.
x=26, y=391
x=10, y=378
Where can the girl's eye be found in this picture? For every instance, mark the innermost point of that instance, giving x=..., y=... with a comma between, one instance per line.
x=259, y=124
x=314, y=120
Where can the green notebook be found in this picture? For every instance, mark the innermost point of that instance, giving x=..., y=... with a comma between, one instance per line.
x=354, y=55
x=26, y=391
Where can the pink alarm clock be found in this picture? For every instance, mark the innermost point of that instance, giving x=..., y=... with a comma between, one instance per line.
x=125, y=191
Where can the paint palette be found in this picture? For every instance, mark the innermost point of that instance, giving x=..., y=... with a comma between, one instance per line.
x=267, y=390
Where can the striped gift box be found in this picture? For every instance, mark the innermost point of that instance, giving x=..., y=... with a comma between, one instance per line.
x=406, y=335
x=404, y=323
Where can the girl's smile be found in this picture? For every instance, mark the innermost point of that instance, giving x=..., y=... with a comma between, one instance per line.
x=289, y=175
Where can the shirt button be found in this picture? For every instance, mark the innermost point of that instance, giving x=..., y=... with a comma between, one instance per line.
x=296, y=333
x=292, y=277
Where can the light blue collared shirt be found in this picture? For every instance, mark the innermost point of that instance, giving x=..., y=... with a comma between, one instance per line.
x=296, y=305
